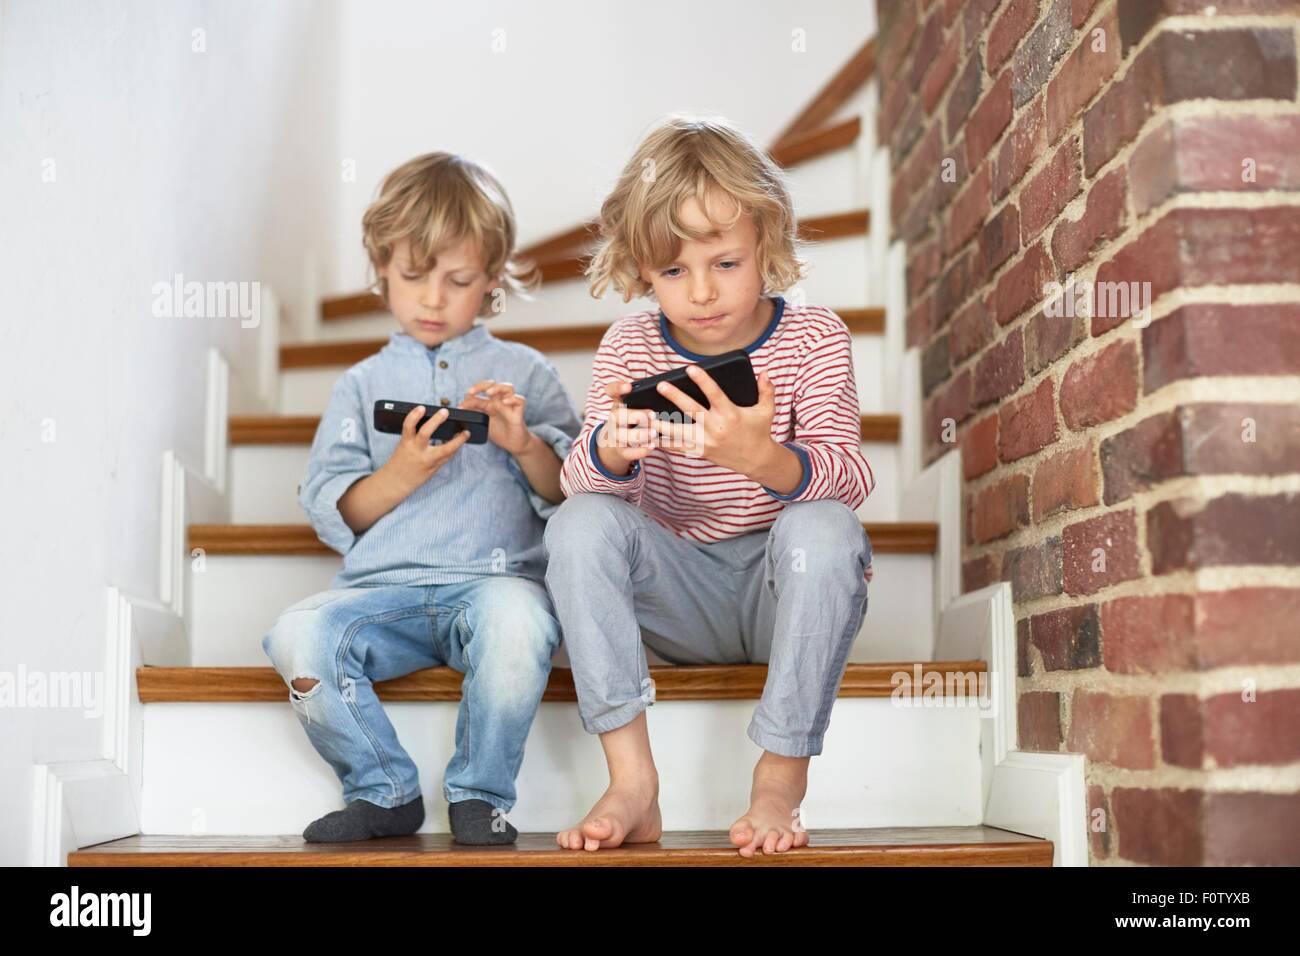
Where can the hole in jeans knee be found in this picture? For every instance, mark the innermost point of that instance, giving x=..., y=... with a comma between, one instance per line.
x=303, y=686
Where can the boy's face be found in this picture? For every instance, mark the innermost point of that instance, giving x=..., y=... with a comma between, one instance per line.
x=443, y=303
x=711, y=293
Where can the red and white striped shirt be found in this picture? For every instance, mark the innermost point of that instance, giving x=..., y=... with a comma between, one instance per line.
x=806, y=352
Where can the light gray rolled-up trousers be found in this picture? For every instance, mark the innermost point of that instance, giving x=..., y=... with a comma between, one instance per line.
x=792, y=596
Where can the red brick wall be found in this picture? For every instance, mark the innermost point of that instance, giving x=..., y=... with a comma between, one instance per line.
x=1136, y=478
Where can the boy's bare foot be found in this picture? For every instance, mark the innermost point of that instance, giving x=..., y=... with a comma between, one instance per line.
x=624, y=814
x=771, y=824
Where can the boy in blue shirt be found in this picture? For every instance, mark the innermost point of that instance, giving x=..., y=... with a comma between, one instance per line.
x=443, y=560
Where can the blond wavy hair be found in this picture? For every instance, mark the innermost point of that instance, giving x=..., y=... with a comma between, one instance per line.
x=435, y=201
x=705, y=158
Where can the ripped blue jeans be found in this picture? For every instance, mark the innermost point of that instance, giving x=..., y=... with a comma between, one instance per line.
x=500, y=632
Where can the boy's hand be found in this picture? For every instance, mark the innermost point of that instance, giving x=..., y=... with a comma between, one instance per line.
x=415, y=461
x=627, y=435
x=505, y=410
x=732, y=436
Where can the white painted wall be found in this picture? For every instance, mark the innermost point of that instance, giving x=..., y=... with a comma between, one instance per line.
x=166, y=160
x=227, y=165
x=559, y=110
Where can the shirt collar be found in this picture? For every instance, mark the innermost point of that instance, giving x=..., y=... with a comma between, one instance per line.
x=476, y=336
x=778, y=309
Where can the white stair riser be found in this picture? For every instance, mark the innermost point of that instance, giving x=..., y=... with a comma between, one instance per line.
x=882, y=503
x=248, y=768
x=827, y=184
x=837, y=274
x=236, y=599
x=837, y=279
x=264, y=483
x=306, y=391
x=862, y=104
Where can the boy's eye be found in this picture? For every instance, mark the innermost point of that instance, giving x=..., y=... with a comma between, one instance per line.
x=729, y=263
x=410, y=278
x=671, y=272
x=463, y=285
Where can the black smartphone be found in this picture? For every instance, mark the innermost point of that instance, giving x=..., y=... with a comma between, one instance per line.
x=732, y=370
x=389, y=416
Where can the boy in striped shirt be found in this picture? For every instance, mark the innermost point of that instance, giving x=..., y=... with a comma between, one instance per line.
x=732, y=539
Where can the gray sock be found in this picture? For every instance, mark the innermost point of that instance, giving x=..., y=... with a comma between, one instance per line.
x=363, y=820
x=471, y=822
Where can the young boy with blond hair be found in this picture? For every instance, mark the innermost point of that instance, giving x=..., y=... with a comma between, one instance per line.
x=728, y=539
x=442, y=547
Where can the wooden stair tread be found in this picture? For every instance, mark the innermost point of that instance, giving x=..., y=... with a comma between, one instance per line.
x=560, y=338
x=172, y=685
x=272, y=429
x=887, y=537
x=560, y=244
x=301, y=429
x=558, y=258
x=572, y=264
x=810, y=134
x=816, y=142
x=797, y=149
x=882, y=846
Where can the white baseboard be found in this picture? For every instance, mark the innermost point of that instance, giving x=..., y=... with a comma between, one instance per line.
x=935, y=495
x=1038, y=794
x=78, y=804
x=268, y=351
x=1042, y=795
x=83, y=802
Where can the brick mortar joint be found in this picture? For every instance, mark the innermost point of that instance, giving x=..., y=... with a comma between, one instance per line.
x=1159, y=114
x=1198, y=489
x=1217, y=579
x=1202, y=684
x=1161, y=307
x=1271, y=779
x=1075, y=209
x=1089, y=346
x=1223, y=390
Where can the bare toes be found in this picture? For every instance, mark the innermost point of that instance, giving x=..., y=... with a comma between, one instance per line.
x=741, y=832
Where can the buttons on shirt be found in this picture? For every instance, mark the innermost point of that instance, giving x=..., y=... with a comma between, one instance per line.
x=444, y=401
x=442, y=363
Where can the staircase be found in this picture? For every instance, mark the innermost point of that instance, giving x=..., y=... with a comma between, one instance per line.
x=222, y=774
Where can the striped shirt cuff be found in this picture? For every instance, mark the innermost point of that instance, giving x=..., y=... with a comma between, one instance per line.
x=595, y=459
x=803, y=482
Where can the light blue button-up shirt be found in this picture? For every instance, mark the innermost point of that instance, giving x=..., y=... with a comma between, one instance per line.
x=477, y=515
